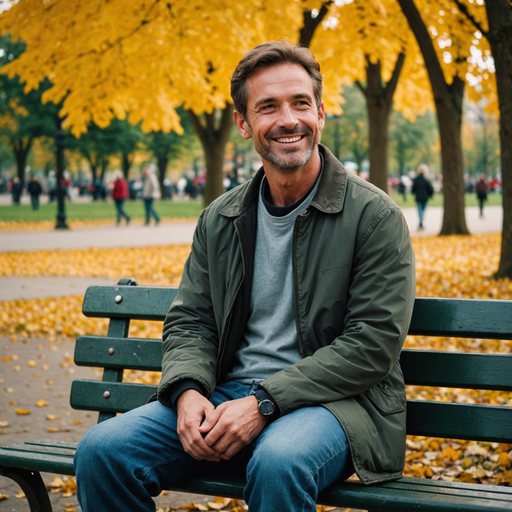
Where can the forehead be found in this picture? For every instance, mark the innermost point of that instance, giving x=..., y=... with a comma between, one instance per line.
x=278, y=80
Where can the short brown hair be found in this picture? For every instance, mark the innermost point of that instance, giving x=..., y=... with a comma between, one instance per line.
x=271, y=54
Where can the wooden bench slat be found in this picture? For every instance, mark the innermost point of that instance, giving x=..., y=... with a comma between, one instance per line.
x=465, y=318
x=128, y=353
x=46, y=462
x=457, y=369
x=439, y=484
x=137, y=302
x=36, y=448
x=385, y=498
x=459, y=421
x=65, y=445
x=89, y=395
x=378, y=498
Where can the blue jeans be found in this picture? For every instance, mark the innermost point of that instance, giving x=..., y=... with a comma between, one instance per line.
x=120, y=210
x=421, y=211
x=121, y=463
x=148, y=205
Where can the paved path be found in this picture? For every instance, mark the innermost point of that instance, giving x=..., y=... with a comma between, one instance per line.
x=180, y=233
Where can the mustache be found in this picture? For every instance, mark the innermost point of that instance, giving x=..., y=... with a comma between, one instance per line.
x=285, y=132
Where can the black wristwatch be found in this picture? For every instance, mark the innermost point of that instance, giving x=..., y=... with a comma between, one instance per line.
x=266, y=406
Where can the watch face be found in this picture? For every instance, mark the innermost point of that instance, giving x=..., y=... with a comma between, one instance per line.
x=266, y=407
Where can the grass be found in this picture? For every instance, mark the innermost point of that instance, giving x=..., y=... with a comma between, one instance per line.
x=166, y=209
x=100, y=210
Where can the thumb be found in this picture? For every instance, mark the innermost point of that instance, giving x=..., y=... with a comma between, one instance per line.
x=210, y=420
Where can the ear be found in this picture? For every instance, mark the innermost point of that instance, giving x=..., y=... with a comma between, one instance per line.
x=241, y=125
x=321, y=116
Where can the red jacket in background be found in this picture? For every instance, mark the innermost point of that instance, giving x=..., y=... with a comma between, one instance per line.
x=120, y=190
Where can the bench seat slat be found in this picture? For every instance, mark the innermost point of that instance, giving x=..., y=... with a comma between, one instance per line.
x=128, y=353
x=137, y=302
x=419, y=483
x=89, y=395
x=381, y=498
x=35, y=448
x=457, y=369
x=464, y=318
x=460, y=421
x=34, y=461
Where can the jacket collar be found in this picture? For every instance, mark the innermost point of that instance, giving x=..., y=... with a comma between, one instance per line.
x=329, y=197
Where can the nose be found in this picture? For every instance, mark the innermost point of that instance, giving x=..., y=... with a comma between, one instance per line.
x=287, y=118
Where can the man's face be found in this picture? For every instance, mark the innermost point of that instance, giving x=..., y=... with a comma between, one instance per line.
x=282, y=116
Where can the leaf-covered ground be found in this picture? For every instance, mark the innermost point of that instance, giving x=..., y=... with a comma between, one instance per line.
x=446, y=267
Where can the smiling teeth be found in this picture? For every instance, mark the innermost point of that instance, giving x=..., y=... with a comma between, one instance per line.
x=290, y=139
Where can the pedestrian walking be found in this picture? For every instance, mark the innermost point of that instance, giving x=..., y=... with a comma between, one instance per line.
x=35, y=190
x=150, y=192
x=120, y=194
x=481, y=193
x=422, y=190
x=16, y=190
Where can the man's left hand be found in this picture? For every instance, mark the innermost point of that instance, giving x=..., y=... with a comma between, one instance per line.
x=233, y=425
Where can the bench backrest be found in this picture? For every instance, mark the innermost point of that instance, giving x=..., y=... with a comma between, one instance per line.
x=487, y=319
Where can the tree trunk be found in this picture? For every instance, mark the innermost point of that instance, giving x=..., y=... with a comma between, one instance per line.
x=214, y=135
x=161, y=163
x=499, y=14
x=379, y=102
x=126, y=164
x=448, y=100
x=20, y=150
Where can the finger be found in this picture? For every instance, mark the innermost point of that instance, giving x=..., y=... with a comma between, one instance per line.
x=211, y=419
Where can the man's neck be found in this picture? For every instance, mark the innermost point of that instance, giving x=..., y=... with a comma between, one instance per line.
x=287, y=186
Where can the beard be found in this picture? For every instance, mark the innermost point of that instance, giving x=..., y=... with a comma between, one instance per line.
x=293, y=158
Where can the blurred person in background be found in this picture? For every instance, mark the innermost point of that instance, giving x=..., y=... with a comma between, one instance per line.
x=481, y=192
x=422, y=190
x=16, y=190
x=120, y=194
x=35, y=190
x=150, y=192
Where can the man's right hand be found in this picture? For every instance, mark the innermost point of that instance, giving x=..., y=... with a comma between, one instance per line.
x=192, y=408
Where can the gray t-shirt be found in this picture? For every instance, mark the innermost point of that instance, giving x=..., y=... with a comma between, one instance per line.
x=270, y=340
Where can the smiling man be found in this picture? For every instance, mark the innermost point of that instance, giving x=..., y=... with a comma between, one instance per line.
x=281, y=350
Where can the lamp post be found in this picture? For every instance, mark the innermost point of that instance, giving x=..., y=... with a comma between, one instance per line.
x=61, y=211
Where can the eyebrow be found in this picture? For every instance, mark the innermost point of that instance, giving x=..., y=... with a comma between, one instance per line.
x=270, y=99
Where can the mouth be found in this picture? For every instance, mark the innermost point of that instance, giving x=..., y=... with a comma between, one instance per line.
x=289, y=140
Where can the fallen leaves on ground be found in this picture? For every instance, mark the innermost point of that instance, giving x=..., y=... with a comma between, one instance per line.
x=158, y=265
x=49, y=225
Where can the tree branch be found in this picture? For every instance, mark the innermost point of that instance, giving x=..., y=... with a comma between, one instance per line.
x=310, y=24
x=198, y=127
x=393, y=81
x=464, y=10
x=360, y=86
x=226, y=122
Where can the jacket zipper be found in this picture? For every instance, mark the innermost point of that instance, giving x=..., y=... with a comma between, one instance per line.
x=295, y=285
x=228, y=316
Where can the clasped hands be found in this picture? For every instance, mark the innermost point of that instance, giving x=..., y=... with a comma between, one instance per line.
x=214, y=434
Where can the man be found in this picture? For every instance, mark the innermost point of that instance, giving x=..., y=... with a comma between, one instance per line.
x=35, y=190
x=281, y=349
x=422, y=190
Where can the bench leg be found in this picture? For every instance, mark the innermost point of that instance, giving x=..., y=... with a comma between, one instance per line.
x=32, y=485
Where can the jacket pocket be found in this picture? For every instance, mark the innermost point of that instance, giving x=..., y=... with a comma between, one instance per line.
x=386, y=400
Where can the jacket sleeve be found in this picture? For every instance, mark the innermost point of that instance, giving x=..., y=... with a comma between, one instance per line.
x=378, y=313
x=191, y=340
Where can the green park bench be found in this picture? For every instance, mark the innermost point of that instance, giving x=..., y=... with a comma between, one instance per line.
x=484, y=319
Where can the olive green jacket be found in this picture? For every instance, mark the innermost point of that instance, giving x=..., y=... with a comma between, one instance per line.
x=354, y=287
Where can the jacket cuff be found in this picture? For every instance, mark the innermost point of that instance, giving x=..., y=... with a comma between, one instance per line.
x=181, y=386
